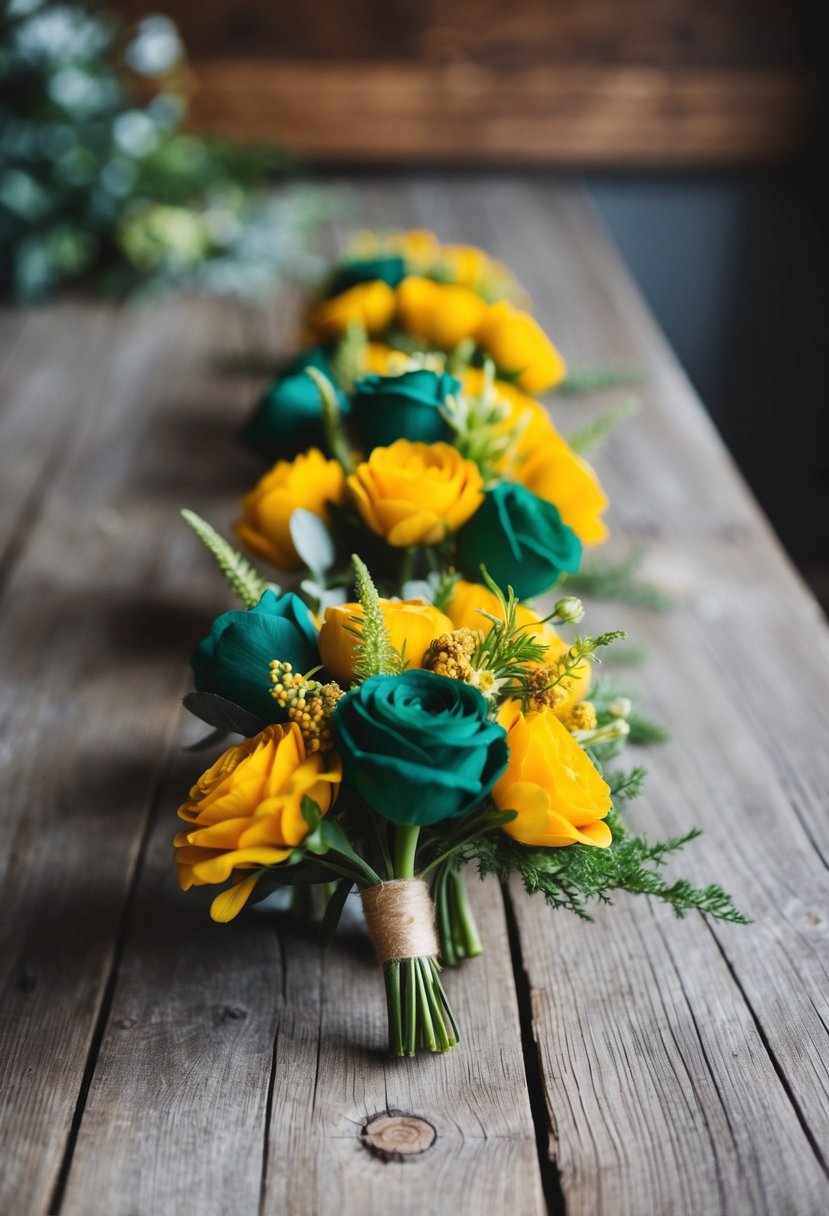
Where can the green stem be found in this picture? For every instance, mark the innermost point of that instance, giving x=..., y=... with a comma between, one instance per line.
x=463, y=917
x=405, y=850
x=407, y=564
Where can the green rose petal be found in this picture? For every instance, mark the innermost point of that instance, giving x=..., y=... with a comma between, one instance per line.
x=418, y=748
x=520, y=539
x=386, y=408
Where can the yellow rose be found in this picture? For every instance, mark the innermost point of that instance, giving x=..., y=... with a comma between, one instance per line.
x=416, y=493
x=245, y=812
x=555, y=472
x=310, y=481
x=518, y=345
x=410, y=623
x=371, y=304
x=442, y=314
x=467, y=598
x=551, y=782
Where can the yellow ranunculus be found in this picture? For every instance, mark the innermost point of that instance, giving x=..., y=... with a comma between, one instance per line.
x=442, y=314
x=416, y=493
x=518, y=346
x=371, y=304
x=412, y=624
x=555, y=472
x=551, y=782
x=310, y=481
x=245, y=812
x=467, y=598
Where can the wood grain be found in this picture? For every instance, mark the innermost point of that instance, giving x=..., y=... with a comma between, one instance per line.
x=463, y=113
x=716, y=1030
x=94, y=634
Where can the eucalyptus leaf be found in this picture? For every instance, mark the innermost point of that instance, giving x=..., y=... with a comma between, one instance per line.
x=222, y=714
x=418, y=589
x=312, y=540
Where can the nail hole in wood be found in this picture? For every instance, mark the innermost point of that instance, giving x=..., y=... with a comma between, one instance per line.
x=394, y=1135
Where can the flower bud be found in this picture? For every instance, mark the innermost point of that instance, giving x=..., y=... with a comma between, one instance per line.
x=570, y=611
x=622, y=707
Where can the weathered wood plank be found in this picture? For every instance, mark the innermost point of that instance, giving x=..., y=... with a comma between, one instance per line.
x=715, y=1038
x=45, y=389
x=94, y=631
x=462, y=113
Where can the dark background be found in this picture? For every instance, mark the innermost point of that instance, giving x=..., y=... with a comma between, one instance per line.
x=699, y=127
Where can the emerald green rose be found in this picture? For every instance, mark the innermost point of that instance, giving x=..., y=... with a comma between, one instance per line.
x=288, y=419
x=386, y=408
x=418, y=748
x=391, y=269
x=521, y=540
x=233, y=660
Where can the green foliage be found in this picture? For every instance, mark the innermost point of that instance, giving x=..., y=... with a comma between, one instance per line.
x=477, y=425
x=595, y=379
x=242, y=577
x=101, y=185
x=618, y=581
x=626, y=785
x=596, y=432
x=335, y=436
x=572, y=877
x=348, y=362
x=508, y=646
x=375, y=653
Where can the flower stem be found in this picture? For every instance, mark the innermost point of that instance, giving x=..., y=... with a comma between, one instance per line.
x=405, y=849
x=467, y=938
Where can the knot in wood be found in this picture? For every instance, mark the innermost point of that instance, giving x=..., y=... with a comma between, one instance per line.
x=394, y=1135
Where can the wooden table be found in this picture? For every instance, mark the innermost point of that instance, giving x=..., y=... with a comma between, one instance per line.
x=155, y=1063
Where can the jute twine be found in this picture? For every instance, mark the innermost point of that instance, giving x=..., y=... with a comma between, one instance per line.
x=401, y=919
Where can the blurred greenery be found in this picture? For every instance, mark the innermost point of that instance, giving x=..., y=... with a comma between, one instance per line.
x=101, y=187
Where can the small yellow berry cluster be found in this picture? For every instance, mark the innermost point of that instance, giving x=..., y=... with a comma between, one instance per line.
x=450, y=655
x=540, y=689
x=309, y=704
x=581, y=716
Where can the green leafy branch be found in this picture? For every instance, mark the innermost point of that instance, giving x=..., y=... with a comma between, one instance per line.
x=594, y=433
x=241, y=575
x=572, y=877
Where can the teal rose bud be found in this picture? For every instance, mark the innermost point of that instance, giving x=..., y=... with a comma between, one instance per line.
x=288, y=420
x=418, y=748
x=521, y=540
x=386, y=408
x=391, y=270
x=233, y=660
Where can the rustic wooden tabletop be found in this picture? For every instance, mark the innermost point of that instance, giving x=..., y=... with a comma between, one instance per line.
x=156, y=1064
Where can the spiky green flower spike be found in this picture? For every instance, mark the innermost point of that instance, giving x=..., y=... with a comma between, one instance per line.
x=375, y=654
x=242, y=577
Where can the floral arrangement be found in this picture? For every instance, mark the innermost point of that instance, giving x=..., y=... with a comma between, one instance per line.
x=405, y=712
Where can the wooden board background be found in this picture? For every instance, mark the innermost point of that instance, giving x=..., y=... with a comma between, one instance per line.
x=155, y=1063
x=578, y=82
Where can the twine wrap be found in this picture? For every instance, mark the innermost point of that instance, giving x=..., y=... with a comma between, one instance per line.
x=400, y=917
